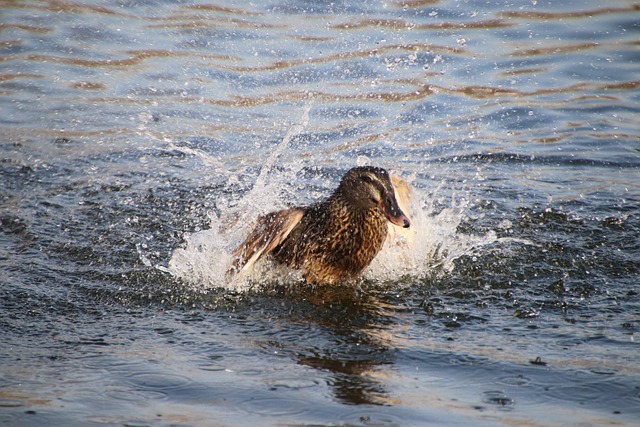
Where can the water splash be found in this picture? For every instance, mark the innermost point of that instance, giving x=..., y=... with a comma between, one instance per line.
x=428, y=248
x=431, y=246
x=207, y=254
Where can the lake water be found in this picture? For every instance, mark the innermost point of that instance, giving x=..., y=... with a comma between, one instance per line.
x=140, y=139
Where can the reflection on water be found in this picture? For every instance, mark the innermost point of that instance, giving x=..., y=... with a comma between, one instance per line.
x=359, y=347
x=140, y=138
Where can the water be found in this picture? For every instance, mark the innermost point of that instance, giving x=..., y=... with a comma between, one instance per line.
x=140, y=139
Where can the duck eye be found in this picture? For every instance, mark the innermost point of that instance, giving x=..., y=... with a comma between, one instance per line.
x=367, y=179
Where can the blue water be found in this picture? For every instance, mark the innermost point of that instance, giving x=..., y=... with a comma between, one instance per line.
x=139, y=140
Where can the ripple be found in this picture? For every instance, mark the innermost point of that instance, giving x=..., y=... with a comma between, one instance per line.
x=275, y=406
x=349, y=55
x=293, y=383
x=135, y=395
x=518, y=380
x=86, y=85
x=250, y=372
x=556, y=50
x=135, y=57
x=223, y=9
x=399, y=24
x=601, y=391
x=155, y=381
x=11, y=403
x=29, y=28
x=212, y=368
x=499, y=398
x=567, y=15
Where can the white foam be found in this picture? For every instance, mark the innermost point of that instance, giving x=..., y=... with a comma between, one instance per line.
x=204, y=259
x=433, y=243
x=206, y=256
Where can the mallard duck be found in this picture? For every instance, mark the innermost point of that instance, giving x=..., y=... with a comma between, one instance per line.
x=331, y=241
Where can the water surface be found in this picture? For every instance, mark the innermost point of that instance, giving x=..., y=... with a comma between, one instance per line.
x=140, y=139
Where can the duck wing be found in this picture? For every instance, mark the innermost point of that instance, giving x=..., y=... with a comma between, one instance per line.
x=269, y=231
x=404, y=196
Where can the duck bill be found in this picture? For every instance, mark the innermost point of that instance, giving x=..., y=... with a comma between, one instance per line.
x=393, y=213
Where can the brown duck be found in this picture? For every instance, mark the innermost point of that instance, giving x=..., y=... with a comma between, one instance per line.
x=331, y=241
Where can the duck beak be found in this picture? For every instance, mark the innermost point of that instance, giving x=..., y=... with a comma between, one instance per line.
x=389, y=206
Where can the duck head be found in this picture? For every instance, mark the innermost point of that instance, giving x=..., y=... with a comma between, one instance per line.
x=367, y=187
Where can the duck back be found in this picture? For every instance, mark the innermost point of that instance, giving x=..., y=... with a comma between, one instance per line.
x=333, y=242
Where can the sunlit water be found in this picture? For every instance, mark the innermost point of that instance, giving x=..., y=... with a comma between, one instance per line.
x=139, y=140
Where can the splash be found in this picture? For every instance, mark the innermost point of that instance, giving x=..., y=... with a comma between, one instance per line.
x=430, y=246
x=427, y=249
x=204, y=259
x=207, y=254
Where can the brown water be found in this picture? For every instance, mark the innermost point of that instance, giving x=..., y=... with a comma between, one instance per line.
x=131, y=131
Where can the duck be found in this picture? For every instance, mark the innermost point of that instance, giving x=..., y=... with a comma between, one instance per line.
x=331, y=241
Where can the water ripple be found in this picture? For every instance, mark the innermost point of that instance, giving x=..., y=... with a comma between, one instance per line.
x=132, y=130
